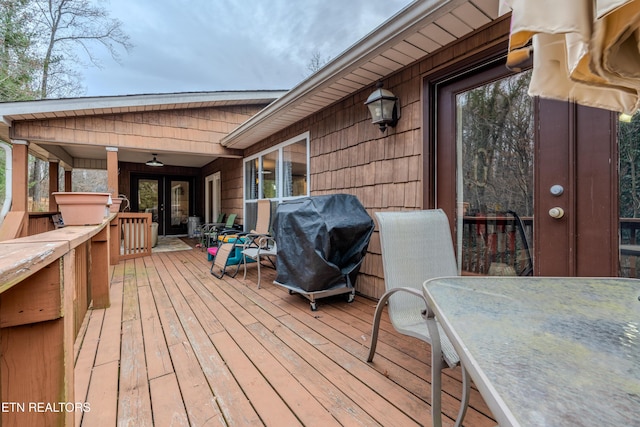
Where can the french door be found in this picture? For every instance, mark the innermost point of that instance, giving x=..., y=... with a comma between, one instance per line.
x=529, y=184
x=167, y=198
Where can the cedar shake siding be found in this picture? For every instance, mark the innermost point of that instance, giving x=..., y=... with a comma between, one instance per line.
x=348, y=154
x=196, y=130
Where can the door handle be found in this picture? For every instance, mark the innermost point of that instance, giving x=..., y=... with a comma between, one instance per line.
x=556, y=212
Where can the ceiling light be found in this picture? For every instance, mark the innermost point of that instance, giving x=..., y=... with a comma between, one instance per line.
x=154, y=162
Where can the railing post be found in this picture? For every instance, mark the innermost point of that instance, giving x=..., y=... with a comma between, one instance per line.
x=37, y=323
x=100, y=269
x=114, y=240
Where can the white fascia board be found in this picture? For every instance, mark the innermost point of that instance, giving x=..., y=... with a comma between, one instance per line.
x=124, y=101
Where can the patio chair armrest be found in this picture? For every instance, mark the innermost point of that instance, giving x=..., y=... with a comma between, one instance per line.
x=390, y=292
x=266, y=243
x=227, y=231
x=259, y=240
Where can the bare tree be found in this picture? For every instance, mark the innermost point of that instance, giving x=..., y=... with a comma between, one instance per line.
x=316, y=62
x=66, y=27
x=498, y=145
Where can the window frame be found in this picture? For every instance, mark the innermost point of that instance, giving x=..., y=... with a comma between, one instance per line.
x=279, y=149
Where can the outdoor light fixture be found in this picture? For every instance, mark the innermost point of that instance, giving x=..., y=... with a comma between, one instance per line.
x=625, y=118
x=384, y=107
x=154, y=162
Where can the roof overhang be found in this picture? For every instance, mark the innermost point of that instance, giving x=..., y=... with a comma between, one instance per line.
x=418, y=30
x=11, y=112
x=89, y=106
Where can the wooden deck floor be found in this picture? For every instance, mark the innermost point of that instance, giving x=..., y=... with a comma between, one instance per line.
x=180, y=347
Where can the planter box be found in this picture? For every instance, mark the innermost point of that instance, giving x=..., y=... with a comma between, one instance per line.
x=80, y=208
x=115, y=204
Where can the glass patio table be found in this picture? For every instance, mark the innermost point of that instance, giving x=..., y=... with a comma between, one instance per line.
x=546, y=351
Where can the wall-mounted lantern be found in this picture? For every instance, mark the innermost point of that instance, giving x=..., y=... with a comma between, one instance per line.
x=384, y=107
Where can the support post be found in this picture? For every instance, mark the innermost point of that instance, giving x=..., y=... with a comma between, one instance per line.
x=112, y=170
x=20, y=164
x=20, y=188
x=53, y=186
x=67, y=180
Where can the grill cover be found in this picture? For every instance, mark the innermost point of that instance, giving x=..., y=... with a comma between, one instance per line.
x=321, y=241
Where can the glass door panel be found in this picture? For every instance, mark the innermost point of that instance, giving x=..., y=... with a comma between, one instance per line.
x=149, y=198
x=168, y=200
x=494, y=177
x=179, y=213
x=629, y=195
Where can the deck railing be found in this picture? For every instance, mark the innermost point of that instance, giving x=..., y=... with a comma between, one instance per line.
x=132, y=235
x=495, y=245
x=48, y=281
x=494, y=241
x=630, y=247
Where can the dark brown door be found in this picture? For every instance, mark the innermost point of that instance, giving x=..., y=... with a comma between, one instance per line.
x=168, y=199
x=576, y=147
x=498, y=152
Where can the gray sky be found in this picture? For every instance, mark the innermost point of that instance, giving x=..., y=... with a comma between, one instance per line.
x=211, y=45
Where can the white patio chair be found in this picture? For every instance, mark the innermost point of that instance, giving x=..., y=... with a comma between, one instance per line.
x=416, y=246
x=263, y=247
x=258, y=244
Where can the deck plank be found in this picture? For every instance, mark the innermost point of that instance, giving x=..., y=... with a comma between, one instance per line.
x=156, y=349
x=167, y=410
x=199, y=400
x=87, y=350
x=134, y=400
x=341, y=406
x=270, y=406
x=229, y=395
x=197, y=350
x=109, y=346
x=103, y=397
x=334, y=400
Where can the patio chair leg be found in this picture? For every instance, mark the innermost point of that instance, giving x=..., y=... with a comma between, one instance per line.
x=258, y=272
x=244, y=261
x=376, y=325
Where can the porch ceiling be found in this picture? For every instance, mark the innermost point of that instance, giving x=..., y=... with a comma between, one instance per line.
x=415, y=32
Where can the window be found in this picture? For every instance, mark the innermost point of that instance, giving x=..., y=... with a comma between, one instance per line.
x=278, y=174
x=5, y=180
x=294, y=169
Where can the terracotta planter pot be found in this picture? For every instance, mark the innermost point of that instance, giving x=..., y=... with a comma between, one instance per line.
x=80, y=208
x=115, y=204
